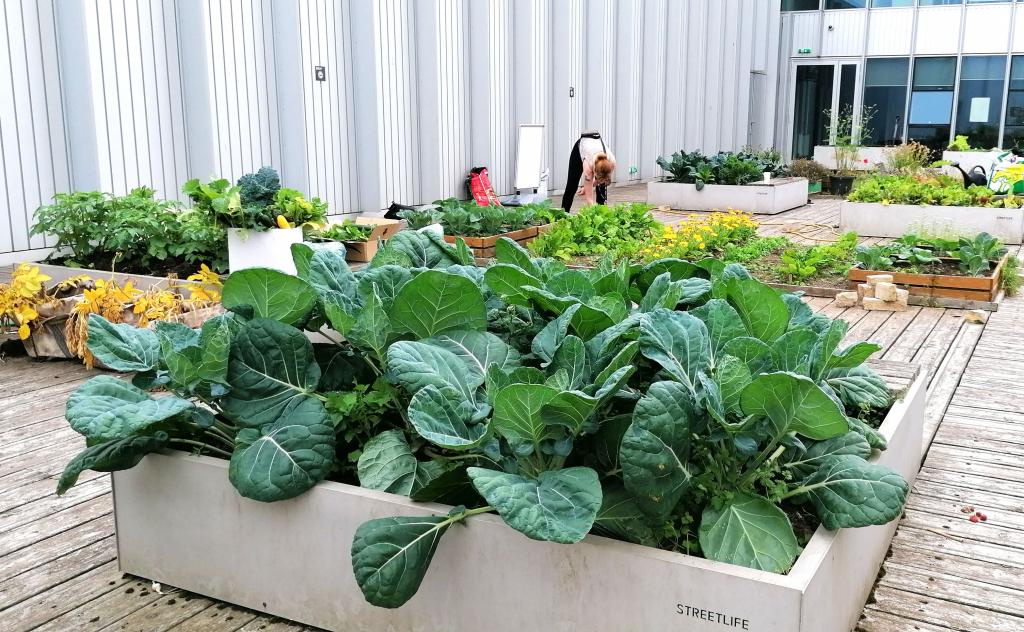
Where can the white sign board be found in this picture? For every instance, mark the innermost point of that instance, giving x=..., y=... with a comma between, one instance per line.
x=529, y=157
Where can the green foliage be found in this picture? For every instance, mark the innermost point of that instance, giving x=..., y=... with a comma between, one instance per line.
x=960, y=143
x=596, y=230
x=976, y=255
x=813, y=171
x=670, y=404
x=937, y=190
x=134, y=232
x=722, y=168
x=1009, y=277
x=254, y=202
x=346, y=230
x=420, y=217
x=800, y=264
x=908, y=158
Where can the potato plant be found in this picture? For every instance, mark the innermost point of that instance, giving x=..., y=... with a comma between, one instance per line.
x=673, y=404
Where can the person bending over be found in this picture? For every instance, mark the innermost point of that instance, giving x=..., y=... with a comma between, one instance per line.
x=591, y=160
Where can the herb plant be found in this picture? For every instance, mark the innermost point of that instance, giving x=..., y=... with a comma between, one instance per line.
x=346, y=230
x=672, y=404
x=597, y=230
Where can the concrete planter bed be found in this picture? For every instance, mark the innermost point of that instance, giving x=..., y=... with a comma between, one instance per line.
x=763, y=198
x=970, y=159
x=180, y=522
x=825, y=155
x=872, y=219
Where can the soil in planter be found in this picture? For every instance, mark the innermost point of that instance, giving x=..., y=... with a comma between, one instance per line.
x=177, y=268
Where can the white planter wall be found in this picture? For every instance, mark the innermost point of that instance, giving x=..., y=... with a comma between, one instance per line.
x=180, y=522
x=971, y=159
x=114, y=94
x=895, y=220
x=760, y=198
x=826, y=156
x=262, y=249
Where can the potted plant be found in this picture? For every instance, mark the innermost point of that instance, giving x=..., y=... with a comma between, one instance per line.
x=665, y=408
x=815, y=173
x=846, y=129
x=262, y=219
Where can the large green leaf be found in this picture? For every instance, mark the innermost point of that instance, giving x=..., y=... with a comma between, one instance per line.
x=390, y=556
x=793, y=350
x=794, y=404
x=415, y=364
x=748, y=531
x=548, y=339
x=422, y=250
x=853, y=356
x=106, y=408
x=731, y=376
x=723, y=323
x=478, y=349
x=110, y=456
x=677, y=269
x=329, y=272
x=270, y=293
x=286, y=458
x=760, y=308
x=517, y=412
x=655, y=449
x=509, y=251
x=557, y=506
x=387, y=464
x=385, y=281
x=194, y=356
x=755, y=354
x=572, y=283
x=444, y=419
x=588, y=321
x=851, y=443
x=828, y=340
x=571, y=356
x=621, y=517
x=507, y=281
x=270, y=366
x=860, y=387
x=123, y=347
x=663, y=293
x=435, y=302
x=371, y=328
x=678, y=342
x=849, y=492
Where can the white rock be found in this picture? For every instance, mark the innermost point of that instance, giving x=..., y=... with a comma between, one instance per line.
x=976, y=316
x=875, y=279
x=877, y=304
x=885, y=291
x=846, y=299
x=865, y=291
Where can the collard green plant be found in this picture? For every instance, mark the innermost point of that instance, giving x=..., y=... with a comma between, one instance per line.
x=673, y=404
x=722, y=168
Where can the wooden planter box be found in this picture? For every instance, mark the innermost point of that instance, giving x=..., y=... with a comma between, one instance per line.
x=984, y=288
x=140, y=281
x=763, y=198
x=483, y=247
x=364, y=251
x=179, y=521
x=872, y=219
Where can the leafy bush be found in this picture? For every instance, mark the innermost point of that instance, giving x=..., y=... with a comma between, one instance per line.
x=960, y=143
x=681, y=395
x=722, y=168
x=597, y=230
x=938, y=190
x=908, y=158
x=346, y=230
x=132, y=233
x=256, y=202
x=813, y=171
x=1009, y=277
x=807, y=262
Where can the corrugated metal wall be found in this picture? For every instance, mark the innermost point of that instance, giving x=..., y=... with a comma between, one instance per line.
x=113, y=94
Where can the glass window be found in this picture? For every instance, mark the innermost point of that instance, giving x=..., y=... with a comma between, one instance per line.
x=926, y=3
x=800, y=5
x=814, y=85
x=885, y=93
x=986, y=1
x=931, y=102
x=846, y=4
x=1014, y=136
x=885, y=4
x=980, y=101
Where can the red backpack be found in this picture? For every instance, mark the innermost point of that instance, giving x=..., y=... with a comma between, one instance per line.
x=480, y=187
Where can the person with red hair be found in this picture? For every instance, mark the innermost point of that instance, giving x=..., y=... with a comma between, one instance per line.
x=591, y=160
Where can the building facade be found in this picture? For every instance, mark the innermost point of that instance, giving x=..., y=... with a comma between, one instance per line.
x=410, y=94
x=925, y=70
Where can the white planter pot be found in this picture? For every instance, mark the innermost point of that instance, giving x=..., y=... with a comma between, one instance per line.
x=825, y=155
x=970, y=159
x=180, y=522
x=262, y=249
x=764, y=198
x=871, y=219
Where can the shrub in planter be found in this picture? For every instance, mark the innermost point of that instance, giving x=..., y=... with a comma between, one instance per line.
x=598, y=230
x=679, y=405
x=722, y=168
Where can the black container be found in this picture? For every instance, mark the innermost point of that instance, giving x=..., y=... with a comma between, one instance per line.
x=841, y=185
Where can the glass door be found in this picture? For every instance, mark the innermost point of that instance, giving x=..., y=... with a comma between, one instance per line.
x=822, y=93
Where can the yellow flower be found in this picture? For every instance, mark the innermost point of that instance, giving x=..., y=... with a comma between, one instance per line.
x=24, y=332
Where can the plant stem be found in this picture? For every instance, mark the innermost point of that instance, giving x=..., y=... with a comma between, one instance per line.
x=214, y=430
x=225, y=441
x=201, y=446
x=761, y=458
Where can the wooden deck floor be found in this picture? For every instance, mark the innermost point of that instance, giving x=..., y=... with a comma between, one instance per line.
x=57, y=556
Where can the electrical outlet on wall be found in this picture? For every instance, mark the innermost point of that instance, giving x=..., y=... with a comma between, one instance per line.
x=320, y=73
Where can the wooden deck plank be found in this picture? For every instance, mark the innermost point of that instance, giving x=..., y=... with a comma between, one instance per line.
x=56, y=572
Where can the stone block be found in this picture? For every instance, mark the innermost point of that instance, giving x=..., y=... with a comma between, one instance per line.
x=977, y=316
x=903, y=298
x=846, y=299
x=865, y=291
x=875, y=279
x=885, y=292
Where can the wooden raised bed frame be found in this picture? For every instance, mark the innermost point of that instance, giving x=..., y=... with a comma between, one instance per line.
x=483, y=247
x=984, y=288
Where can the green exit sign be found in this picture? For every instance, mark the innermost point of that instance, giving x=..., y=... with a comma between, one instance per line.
x=803, y=51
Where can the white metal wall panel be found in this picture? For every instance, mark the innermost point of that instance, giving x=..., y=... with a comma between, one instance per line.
x=987, y=28
x=938, y=30
x=33, y=158
x=452, y=156
x=240, y=77
x=805, y=31
x=842, y=32
x=890, y=32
